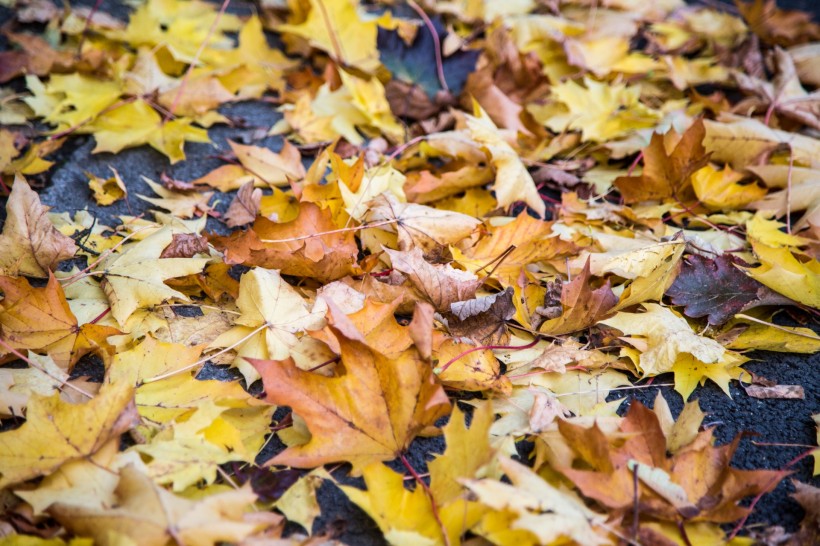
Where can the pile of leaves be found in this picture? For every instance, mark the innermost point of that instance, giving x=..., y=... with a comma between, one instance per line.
x=494, y=213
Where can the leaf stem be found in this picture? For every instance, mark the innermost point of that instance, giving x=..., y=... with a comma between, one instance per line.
x=323, y=233
x=442, y=369
x=433, y=505
x=172, y=373
x=30, y=362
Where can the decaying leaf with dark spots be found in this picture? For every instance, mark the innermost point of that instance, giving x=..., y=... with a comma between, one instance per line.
x=483, y=319
x=717, y=289
x=185, y=245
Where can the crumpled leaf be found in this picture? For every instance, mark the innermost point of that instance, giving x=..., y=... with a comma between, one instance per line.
x=441, y=285
x=581, y=305
x=482, y=319
x=29, y=244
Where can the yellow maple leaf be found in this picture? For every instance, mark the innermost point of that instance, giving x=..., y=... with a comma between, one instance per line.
x=601, y=111
x=720, y=190
x=513, y=182
x=56, y=431
x=136, y=123
x=795, y=277
x=273, y=313
x=134, y=278
x=336, y=28
x=665, y=335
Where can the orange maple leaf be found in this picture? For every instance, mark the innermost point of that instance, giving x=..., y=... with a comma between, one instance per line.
x=371, y=411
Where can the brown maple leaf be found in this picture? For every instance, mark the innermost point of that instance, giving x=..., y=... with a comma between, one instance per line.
x=371, y=411
x=582, y=305
x=666, y=174
x=696, y=483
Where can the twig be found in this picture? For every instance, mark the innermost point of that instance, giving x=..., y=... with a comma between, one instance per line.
x=323, y=233
x=763, y=322
x=436, y=45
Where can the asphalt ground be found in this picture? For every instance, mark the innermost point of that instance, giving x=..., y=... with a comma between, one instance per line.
x=765, y=421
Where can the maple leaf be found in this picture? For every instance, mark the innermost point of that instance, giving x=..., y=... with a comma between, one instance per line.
x=784, y=94
x=717, y=289
x=547, y=512
x=29, y=244
x=148, y=515
x=601, y=111
x=136, y=123
x=742, y=141
x=370, y=413
x=667, y=172
x=420, y=226
x=310, y=245
x=778, y=26
x=532, y=240
x=273, y=313
x=513, y=182
x=720, y=190
x=40, y=319
x=788, y=275
x=696, y=483
x=582, y=306
x=411, y=517
x=56, y=431
x=134, y=278
x=667, y=335
x=415, y=62
x=441, y=285
x=338, y=30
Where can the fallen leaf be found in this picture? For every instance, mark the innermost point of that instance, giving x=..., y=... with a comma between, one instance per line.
x=29, y=244
x=148, y=515
x=667, y=168
x=134, y=278
x=245, y=206
x=57, y=431
x=346, y=423
x=718, y=289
